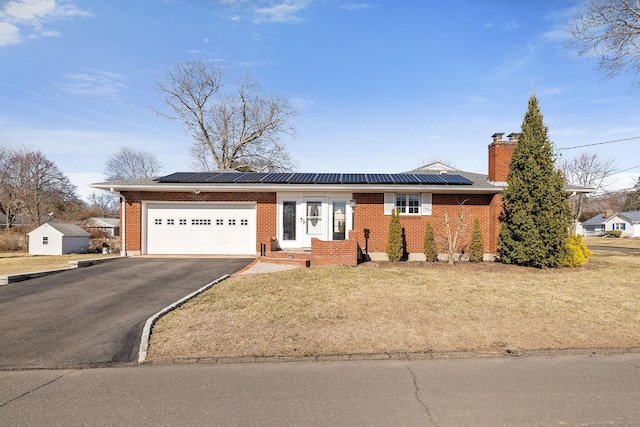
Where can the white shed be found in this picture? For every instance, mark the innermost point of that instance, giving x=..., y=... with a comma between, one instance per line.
x=58, y=238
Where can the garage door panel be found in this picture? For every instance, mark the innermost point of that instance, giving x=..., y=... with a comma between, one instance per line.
x=225, y=229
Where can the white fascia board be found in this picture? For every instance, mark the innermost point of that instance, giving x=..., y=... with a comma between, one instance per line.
x=367, y=188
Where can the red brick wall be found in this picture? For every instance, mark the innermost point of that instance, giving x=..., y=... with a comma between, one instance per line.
x=369, y=214
x=336, y=252
x=265, y=211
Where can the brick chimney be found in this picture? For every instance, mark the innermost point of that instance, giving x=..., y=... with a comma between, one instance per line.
x=500, y=152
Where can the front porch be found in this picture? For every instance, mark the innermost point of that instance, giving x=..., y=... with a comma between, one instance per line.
x=321, y=253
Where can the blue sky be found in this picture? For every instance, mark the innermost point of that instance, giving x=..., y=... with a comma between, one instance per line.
x=380, y=86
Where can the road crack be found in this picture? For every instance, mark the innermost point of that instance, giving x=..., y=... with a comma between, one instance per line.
x=26, y=393
x=420, y=401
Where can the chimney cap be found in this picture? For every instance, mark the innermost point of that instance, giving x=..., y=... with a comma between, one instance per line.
x=497, y=136
x=513, y=136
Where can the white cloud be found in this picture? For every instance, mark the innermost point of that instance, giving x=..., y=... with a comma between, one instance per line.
x=281, y=13
x=9, y=34
x=99, y=83
x=31, y=17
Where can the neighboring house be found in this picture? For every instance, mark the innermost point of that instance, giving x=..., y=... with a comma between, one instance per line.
x=627, y=222
x=323, y=218
x=111, y=226
x=58, y=238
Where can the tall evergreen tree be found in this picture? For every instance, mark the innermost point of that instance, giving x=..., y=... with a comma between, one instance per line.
x=536, y=213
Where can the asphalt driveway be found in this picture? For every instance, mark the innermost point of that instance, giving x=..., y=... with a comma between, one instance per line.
x=94, y=316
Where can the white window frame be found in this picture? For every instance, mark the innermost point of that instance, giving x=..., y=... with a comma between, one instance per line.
x=424, y=208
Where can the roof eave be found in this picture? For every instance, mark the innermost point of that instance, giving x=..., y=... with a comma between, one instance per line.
x=245, y=188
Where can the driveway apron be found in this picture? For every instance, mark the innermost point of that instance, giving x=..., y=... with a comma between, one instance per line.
x=94, y=316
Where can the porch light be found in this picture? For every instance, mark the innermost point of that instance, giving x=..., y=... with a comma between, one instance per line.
x=353, y=203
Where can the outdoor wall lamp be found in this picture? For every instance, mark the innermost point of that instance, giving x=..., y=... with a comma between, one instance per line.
x=353, y=203
x=196, y=191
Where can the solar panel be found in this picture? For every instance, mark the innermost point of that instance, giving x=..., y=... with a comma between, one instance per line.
x=277, y=178
x=314, y=178
x=327, y=178
x=224, y=177
x=251, y=177
x=379, y=178
x=354, y=178
x=456, y=179
x=428, y=178
x=302, y=178
x=404, y=178
x=176, y=177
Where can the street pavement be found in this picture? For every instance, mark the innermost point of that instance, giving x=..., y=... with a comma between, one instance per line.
x=573, y=390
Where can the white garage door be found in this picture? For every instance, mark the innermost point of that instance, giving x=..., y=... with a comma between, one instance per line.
x=225, y=229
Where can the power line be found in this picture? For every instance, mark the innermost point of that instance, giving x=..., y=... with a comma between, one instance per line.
x=599, y=143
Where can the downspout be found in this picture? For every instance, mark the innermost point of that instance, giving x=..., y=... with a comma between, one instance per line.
x=123, y=221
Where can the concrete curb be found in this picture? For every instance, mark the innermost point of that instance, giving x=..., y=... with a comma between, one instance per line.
x=399, y=356
x=21, y=277
x=146, y=332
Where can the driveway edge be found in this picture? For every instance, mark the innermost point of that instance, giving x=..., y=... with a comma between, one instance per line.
x=146, y=332
x=21, y=277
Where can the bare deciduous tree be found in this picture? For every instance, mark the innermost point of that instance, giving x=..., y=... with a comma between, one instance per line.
x=130, y=164
x=37, y=186
x=106, y=204
x=237, y=129
x=454, y=230
x=586, y=170
x=610, y=31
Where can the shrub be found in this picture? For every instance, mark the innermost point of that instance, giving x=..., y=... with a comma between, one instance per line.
x=395, y=249
x=576, y=252
x=476, y=250
x=613, y=233
x=13, y=240
x=430, y=247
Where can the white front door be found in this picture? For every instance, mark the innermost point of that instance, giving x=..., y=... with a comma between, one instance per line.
x=313, y=219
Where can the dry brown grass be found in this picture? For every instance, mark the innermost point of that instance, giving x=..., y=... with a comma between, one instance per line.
x=20, y=262
x=409, y=308
x=613, y=242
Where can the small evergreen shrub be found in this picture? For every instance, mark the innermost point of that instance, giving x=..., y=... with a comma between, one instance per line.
x=430, y=247
x=576, y=252
x=613, y=233
x=395, y=249
x=476, y=250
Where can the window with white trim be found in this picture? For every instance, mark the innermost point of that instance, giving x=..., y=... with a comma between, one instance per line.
x=45, y=240
x=408, y=203
x=619, y=226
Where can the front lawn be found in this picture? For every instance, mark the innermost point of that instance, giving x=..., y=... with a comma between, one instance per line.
x=410, y=307
x=20, y=262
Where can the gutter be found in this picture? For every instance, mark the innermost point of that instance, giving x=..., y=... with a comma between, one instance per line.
x=123, y=221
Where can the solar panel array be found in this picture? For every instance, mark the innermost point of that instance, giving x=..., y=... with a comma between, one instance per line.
x=314, y=178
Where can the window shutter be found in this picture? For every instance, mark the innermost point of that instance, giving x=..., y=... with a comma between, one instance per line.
x=624, y=225
x=389, y=202
x=426, y=204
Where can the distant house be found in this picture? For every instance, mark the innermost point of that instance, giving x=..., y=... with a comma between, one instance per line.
x=58, y=238
x=110, y=226
x=627, y=222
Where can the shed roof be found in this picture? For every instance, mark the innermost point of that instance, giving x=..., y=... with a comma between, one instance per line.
x=65, y=228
